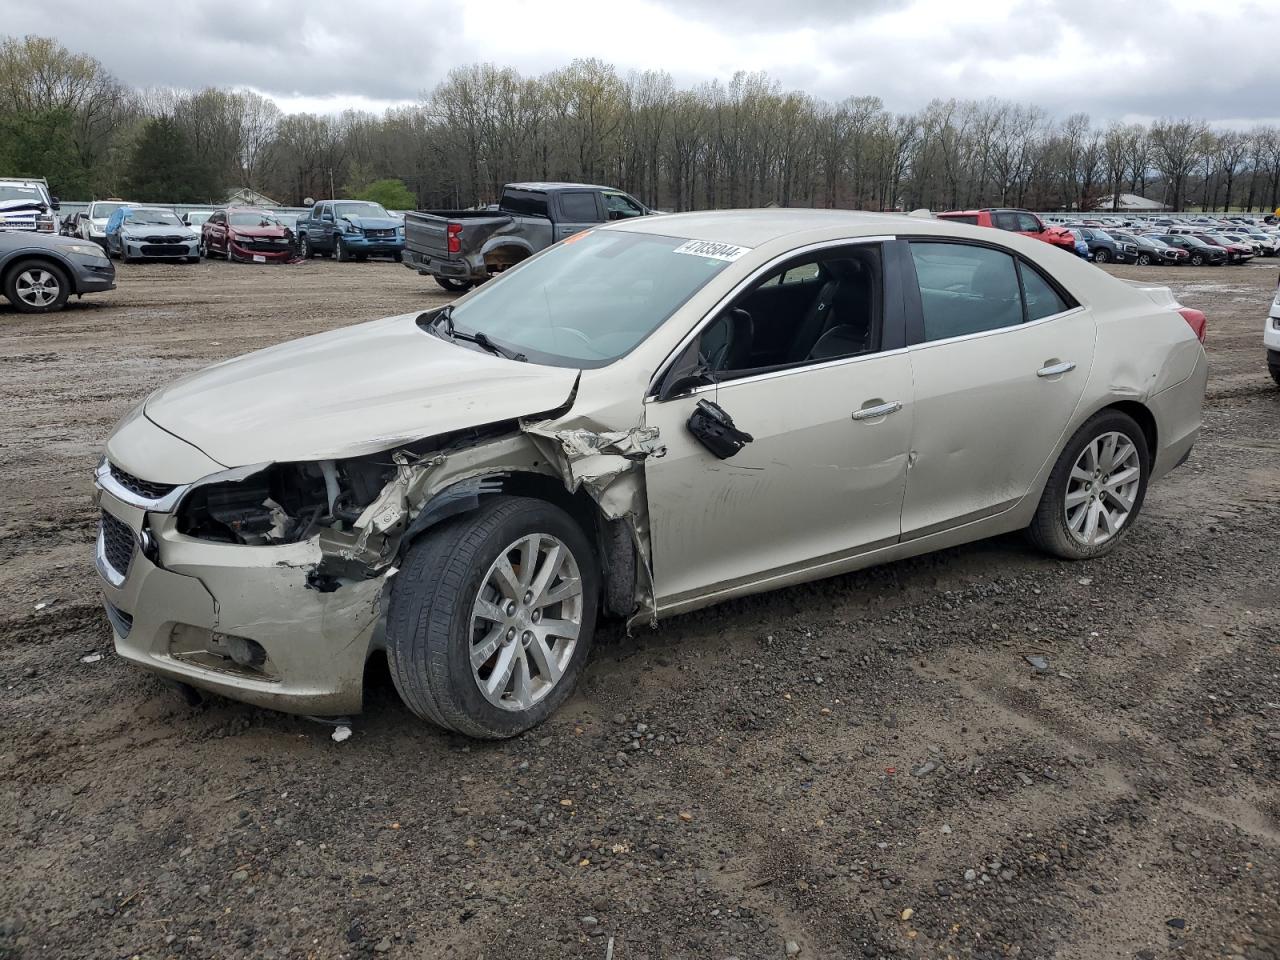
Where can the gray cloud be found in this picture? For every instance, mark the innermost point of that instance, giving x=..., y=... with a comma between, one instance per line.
x=1100, y=56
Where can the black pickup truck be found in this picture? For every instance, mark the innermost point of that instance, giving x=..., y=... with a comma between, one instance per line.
x=464, y=247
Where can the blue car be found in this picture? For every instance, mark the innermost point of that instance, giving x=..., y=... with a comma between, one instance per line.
x=350, y=230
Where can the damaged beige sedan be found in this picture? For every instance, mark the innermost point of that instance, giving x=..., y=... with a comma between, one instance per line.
x=654, y=416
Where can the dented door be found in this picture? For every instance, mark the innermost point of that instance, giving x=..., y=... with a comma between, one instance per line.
x=821, y=479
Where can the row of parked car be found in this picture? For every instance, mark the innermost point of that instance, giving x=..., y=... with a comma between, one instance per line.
x=1195, y=241
x=346, y=229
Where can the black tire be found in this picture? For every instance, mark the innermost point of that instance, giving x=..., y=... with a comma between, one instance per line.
x=454, y=286
x=340, y=251
x=54, y=283
x=429, y=619
x=203, y=248
x=1275, y=374
x=1102, y=255
x=304, y=248
x=1144, y=259
x=1197, y=260
x=1049, y=530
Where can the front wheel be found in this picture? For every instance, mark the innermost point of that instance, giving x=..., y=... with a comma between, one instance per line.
x=453, y=286
x=1197, y=260
x=1096, y=489
x=340, y=251
x=1144, y=259
x=1101, y=255
x=492, y=616
x=304, y=249
x=36, y=287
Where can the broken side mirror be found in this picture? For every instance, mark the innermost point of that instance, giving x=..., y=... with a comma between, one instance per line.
x=55, y=203
x=715, y=430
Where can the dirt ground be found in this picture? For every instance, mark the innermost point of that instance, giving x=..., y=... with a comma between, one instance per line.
x=863, y=767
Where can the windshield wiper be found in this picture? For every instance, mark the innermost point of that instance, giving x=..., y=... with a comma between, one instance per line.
x=478, y=338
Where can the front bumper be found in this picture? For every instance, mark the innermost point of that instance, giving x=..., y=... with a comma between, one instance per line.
x=373, y=246
x=1271, y=337
x=180, y=604
x=275, y=254
x=94, y=277
x=142, y=249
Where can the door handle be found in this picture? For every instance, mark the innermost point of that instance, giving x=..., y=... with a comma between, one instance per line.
x=879, y=410
x=1056, y=369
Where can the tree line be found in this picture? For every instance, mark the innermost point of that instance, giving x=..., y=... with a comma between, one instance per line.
x=744, y=143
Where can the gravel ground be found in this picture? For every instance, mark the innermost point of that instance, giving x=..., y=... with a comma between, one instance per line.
x=864, y=767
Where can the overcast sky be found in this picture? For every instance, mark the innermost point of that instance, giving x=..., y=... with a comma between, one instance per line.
x=1215, y=59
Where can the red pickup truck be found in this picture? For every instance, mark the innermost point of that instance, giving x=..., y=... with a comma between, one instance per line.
x=1015, y=221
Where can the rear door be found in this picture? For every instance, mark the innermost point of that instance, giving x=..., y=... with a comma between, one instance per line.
x=577, y=210
x=999, y=356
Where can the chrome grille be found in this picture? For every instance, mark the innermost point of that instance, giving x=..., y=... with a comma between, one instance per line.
x=143, y=488
x=117, y=544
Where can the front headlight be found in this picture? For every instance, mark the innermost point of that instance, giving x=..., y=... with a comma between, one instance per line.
x=90, y=251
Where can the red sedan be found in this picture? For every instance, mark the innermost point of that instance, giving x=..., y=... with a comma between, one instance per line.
x=246, y=235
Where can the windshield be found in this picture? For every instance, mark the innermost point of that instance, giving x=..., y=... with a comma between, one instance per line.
x=351, y=209
x=253, y=218
x=13, y=191
x=588, y=300
x=152, y=218
x=197, y=217
x=101, y=211
x=1103, y=235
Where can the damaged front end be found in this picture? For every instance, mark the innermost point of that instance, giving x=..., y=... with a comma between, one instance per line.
x=267, y=583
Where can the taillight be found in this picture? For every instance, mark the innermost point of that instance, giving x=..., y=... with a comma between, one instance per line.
x=1196, y=319
x=455, y=237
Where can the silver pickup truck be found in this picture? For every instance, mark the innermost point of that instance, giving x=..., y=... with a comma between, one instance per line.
x=465, y=247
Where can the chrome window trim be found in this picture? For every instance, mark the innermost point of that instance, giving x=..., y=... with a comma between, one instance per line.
x=651, y=391
x=103, y=479
x=994, y=331
x=790, y=371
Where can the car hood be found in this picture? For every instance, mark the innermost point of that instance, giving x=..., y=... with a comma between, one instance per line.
x=355, y=390
x=374, y=223
x=144, y=231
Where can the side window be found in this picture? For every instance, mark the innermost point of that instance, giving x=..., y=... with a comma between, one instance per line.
x=1005, y=220
x=579, y=207
x=620, y=206
x=811, y=309
x=525, y=203
x=1042, y=299
x=1027, y=223
x=965, y=289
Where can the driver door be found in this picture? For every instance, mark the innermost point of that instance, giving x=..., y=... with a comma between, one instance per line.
x=823, y=476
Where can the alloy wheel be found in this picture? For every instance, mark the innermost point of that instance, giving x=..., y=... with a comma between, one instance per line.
x=1103, y=488
x=526, y=621
x=37, y=287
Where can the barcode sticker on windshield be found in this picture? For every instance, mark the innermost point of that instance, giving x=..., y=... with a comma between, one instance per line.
x=716, y=251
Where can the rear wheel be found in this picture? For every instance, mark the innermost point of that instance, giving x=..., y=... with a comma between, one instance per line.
x=453, y=286
x=1096, y=489
x=492, y=616
x=33, y=286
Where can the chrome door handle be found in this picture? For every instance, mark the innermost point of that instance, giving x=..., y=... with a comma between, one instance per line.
x=1066, y=366
x=879, y=410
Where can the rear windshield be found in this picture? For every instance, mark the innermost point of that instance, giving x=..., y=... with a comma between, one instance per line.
x=592, y=298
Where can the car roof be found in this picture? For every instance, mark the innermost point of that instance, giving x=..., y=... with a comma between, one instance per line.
x=753, y=228
x=542, y=186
